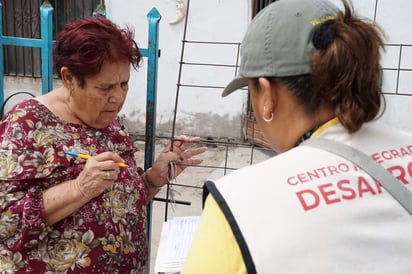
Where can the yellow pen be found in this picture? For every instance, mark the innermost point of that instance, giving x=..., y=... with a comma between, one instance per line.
x=84, y=156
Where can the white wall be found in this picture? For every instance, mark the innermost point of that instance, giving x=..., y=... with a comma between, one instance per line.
x=200, y=111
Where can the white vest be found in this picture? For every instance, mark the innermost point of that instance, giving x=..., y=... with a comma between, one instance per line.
x=310, y=211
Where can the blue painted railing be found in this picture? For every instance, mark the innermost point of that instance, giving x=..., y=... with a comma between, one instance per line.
x=152, y=53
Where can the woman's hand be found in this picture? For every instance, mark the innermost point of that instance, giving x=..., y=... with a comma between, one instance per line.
x=180, y=153
x=99, y=173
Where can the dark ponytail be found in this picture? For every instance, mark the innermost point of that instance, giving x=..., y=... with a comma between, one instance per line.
x=346, y=70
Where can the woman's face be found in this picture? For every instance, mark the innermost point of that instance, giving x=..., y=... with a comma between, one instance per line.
x=100, y=100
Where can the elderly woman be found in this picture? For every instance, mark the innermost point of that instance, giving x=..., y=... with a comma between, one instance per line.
x=63, y=214
x=313, y=72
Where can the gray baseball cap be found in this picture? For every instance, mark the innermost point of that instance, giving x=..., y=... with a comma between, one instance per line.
x=278, y=41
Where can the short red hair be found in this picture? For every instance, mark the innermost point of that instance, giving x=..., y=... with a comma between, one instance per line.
x=85, y=44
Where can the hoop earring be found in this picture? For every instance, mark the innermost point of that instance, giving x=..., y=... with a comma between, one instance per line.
x=268, y=120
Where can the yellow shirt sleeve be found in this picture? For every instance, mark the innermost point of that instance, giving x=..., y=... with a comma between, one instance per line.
x=214, y=248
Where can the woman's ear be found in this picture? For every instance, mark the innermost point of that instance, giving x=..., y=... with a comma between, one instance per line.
x=268, y=95
x=67, y=77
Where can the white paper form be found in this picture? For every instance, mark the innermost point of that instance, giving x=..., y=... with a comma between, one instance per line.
x=175, y=241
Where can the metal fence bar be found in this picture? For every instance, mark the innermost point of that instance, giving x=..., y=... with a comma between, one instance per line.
x=46, y=25
x=152, y=53
x=1, y=57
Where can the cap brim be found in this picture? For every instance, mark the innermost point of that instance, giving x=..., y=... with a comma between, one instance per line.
x=235, y=84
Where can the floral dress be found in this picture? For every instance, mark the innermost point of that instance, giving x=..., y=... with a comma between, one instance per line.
x=106, y=235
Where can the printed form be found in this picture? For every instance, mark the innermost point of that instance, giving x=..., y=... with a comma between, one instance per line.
x=175, y=241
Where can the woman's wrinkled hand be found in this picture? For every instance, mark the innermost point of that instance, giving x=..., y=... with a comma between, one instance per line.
x=99, y=172
x=180, y=152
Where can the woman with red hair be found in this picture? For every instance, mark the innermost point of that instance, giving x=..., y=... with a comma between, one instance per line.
x=63, y=214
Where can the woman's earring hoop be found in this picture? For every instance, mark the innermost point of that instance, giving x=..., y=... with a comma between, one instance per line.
x=267, y=120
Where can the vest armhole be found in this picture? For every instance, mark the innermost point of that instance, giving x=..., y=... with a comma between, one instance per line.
x=210, y=187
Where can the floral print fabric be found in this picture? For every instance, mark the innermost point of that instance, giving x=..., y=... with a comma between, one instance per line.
x=106, y=235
